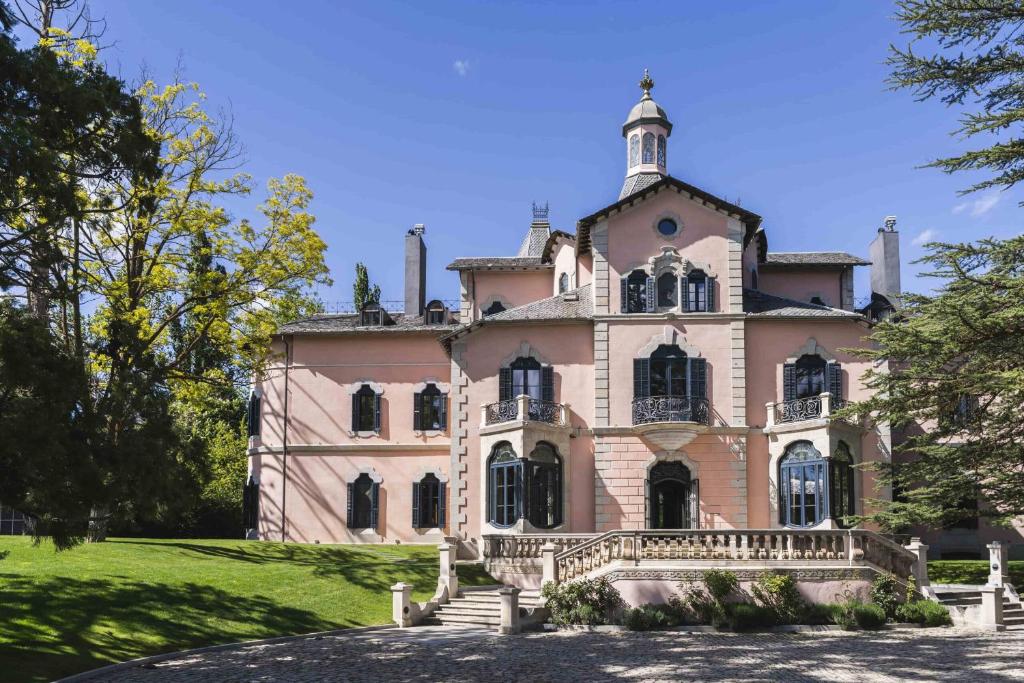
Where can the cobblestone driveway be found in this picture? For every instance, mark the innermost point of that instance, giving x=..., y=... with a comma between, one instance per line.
x=436, y=654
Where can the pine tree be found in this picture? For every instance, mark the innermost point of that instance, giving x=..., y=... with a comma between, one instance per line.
x=362, y=292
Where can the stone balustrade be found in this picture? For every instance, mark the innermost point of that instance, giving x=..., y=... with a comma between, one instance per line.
x=528, y=546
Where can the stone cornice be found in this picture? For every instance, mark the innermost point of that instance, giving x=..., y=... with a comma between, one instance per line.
x=383, y=448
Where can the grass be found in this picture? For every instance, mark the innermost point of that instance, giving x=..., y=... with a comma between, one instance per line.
x=970, y=571
x=61, y=613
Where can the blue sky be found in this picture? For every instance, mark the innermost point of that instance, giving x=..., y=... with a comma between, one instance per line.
x=460, y=114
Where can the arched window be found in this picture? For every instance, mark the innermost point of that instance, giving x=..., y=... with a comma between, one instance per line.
x=802, y=489
x=363, y=495
x=648, y=153
x=366, y=410
x=662, y=150
x=430, y=409
x=637, y=293
x=810, y=376
x=545, y=476
x=670, y=387
x=563, y=283
x=668, y=371
x=840, y=484
x=496, y=307
x=428, y=503
x=373, y=315
x=436, y=313
x=668, y=289
x=818, y=301
x=699, y=291
x=634, y=150
x=504, y=485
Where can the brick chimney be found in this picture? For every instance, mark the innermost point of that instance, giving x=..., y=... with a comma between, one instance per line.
x=884, y=253
x=415, y=270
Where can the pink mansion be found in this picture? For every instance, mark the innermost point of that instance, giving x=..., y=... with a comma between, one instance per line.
x=659, y=368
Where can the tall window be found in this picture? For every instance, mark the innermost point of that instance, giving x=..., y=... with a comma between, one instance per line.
x=428, y=503
x=251, y=504
x=430, y=409
x=545, y=477
x=634, y=150
x=648, y=154
x=526, y=378
x=366, y=410
x=496, y=307
x=699, y=291
x=253, y=414
x=668, y=286
x=563, y=283
x=662, y=149
x=840, y=484
x=436, y=313
x=811, y=375
x=668, y=371
x=802, y=486
x=363, y=495
x=637, y=292
x=504, y=485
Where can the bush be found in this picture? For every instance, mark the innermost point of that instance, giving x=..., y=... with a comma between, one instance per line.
x=926, y=612
x=650, y=618
x=701, y=608
x=869, y=617
x=778, y=593
x=816, y=615
x=886, y=592
x=843, y=613
x=583, y=602
x=721, y=583
x=746, y=617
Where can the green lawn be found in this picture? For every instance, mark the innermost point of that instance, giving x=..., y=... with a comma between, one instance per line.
x=62, y=613
x=971, y=572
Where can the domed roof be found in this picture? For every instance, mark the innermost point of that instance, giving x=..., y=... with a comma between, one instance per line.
x=646, y=110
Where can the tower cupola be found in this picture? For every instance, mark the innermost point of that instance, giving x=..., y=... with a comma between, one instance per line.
x=646, y=131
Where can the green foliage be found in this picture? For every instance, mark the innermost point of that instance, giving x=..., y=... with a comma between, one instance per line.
x=925, y=612
x=961, y=342
x=362, y=292
x=721, y=583
x=844, y=612
x=583, y=602
x=869, y=616
x=777, y=592
x=816, y=615
x=887, y=593
x=650, y=618
x=974, y=572
x=975, y=60
x=746, y=617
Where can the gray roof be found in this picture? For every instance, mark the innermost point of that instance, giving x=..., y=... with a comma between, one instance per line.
x=637, y=182
x=499, y=263
x=762, y=305
x=646, y=111
x=813, y=258
x=536, y=238
x=348, y=323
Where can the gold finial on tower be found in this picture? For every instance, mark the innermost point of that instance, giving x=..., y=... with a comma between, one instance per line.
x=646, y=84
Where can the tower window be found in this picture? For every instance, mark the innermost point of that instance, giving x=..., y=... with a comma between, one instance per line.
x=648, y=157
x=634, y=150
x=661, y=150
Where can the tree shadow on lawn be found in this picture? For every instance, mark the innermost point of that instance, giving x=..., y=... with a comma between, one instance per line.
x=58, y=626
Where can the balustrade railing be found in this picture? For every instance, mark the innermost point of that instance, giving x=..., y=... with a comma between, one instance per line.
x=502, y=411
x=535, y=410
x=528, y=546
x=670, y=409
x=544, y=411
x=807, y=408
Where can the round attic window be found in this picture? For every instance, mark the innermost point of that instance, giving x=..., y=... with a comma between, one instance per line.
x=667, y=227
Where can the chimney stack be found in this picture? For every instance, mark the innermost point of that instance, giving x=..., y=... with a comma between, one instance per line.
x=885, y=261
x=415, y=270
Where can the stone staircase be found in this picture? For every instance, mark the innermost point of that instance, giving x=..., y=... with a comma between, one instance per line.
x=481, y=607
x=959, y=598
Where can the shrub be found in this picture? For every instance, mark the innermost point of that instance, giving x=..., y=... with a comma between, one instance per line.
x=926, y=612
x=815, y=615
x=886, y=593
x=583, y=602
x=701, y=608
x=721, y=583
x=843, y=613
x=746, y=617
x=870, y=616
x=649, y=618
x=778, y=593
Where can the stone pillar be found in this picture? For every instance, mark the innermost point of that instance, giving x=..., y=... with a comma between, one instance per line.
x=448, y=577
x=826, y=404
x=998, y=556
x=401, y=604
x=992, y=608
x=921, y=564
x=770, y=414
x=523, y=407
x=509, y=610
x=547, y=552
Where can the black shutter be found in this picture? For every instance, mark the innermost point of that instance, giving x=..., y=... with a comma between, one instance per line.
x=374, y=498
x=789, y=381
x=376, y=412
x=442, y=505
x=651, y=291
x=641, y=378
x=711, y=293
x=835, y=379
x=518, y=508
x=417, y=411
x=547, y=383
x=505, y=384
x=624, y=295
x=698, y=378
x=443, y=405
x=416, y=505
x=355, y=412
x=684, y=294
x=349, y=522
x=651, y=522
x=695, y=503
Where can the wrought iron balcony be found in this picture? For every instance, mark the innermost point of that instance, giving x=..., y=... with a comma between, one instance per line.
x=670, y=409
x=534, y=409
x=800, y=409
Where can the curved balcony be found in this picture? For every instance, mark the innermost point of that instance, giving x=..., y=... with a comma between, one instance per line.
x=802, y=409
x=670, y=422
x=523, y=408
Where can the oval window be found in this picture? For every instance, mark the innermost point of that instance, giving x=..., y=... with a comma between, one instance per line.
x=667, y=227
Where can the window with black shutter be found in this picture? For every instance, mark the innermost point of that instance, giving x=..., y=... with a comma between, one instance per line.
x=638, y=292
x=641, y=378
x=810, y=376
x=697, y=288
x=253, y=414
x=427, y=508
x=429, y=409
x=834, y=372
x=363, y=496
x=526, y=378
x=365, y=410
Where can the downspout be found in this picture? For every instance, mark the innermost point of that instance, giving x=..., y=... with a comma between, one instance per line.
x=288, y=340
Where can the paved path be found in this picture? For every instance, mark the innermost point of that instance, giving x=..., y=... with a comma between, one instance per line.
x=438, y=653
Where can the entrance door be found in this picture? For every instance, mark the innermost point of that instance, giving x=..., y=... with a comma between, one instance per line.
x=670, y=496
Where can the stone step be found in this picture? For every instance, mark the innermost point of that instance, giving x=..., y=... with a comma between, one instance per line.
x=454, y=619
x=1013, y=621
x=468, y=608
x=495, y=603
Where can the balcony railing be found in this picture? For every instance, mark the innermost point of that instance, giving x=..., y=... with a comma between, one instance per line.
x=670, y=409
x=535, y=410
x=800, y=409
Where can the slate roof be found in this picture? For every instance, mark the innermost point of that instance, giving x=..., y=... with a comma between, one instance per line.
x=759, y=304
x=637, y=182
x=499, y=263
x=817, y=259
x=348, y=323
x=536, y=238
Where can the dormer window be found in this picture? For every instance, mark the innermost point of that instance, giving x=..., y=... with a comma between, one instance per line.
x=373, y=315
x=436, y=313
x=493, y=309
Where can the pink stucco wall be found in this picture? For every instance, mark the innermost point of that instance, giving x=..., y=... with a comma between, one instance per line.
x=802, y=284
x=513, y=287
x=565, y=262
